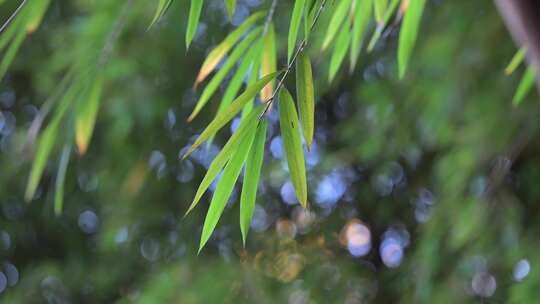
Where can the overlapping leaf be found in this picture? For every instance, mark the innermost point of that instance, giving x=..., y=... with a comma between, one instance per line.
x=408, y=33
x=268, y=61
x=230, y=5
x=516, y=61
x=250, y=183
x=390, y=10
x=362, y=15
x=338, y=17
x=85, y=116
x=162, y=7
x=340, y=50
x=290, y=133
x=60, y=180
x=525, y=85
x=296, y=19
x=306, y=96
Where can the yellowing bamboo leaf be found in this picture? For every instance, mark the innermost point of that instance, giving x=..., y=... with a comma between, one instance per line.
x=215, y=56
x=252, y=174
x=290, y=133
x=383, y=23
x=162, y=7
x=268, y=62
x=516, y=61
x=225, y=154
x=362, y=16
x=408, y=33
x=225, y=185
x=339, y=15
x=226, y=115
x=306, y=96
x=193, y=21
x=340, y=50
x=213, y=85
x=525, y=86
x=230, y=5
x=60, y=180
x=85, y=116
x=296, y=18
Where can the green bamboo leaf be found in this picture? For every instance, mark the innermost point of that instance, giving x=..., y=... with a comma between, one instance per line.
x=226, y=115
x=61, y=179
x=162, y=7
x=268, y=61
x=290, y=133
x=408, y=33
x=213, y=85
x=215, y=56
x=380, y=9
x=516, y=61
x=36, y=14
x=525, y=86
x=225, y=185
x=335, y=23
x=11, y=52
x=296, y=18
x=382, y=25
x=362, y=16
x=340, y=50
x=225, y=154
x=252, y=174
x=193, y=21
x=306, y=96
x=230, y=5
x=85, y=116
x=307, y=20
x=253, y=77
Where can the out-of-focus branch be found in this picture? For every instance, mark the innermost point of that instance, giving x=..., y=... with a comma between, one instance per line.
x=522, y=17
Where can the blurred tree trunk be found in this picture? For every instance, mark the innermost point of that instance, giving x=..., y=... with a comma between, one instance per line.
x=522, y=17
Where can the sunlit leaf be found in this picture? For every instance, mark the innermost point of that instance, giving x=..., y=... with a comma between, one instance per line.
x=36, y=14
x=268, y=61
x=380, y=9
x=226, y=183
x=162, y=7
x=225, y=154
x=382, y=25
x=230, y=5
x=290, y=133
x=340, y=50
x=306, y=96
x=516, y=61
x=216, y=81
x=61, y=179
x=296, y=18
x=408, y=33
x=193, y=21
x=525, y=86
x=334, y=26
x=215, y=56
x=250, y=183
x=85, y=116
x=226, y=115
x=362, y=15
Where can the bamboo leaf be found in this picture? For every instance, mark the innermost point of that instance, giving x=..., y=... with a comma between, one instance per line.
x=340, y=50
x=290, y=133
x=384, y=22
x=60, y=180
x=162, y=7
x=85, y=116
x=36, y=14
x=307, y=19
x=516, y=61
x=335, y=23
x=252, y=174
x=408, y=33
x=225, y=154
x=362, y=16
x=230, y=5
x=380, y=9
x=193, y=21
x=296, y=18
x=215, y=56
x=306, y=96
x=11, y=52
x=226, y=183
x=213, y=85
x=525, y=86
x=226, y=115
x=268, y=62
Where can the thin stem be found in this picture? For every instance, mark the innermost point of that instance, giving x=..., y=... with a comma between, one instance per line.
x=15, y=13
x=299, y=49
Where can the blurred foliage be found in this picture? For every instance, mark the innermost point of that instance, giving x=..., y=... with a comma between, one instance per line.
x=421, y=190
